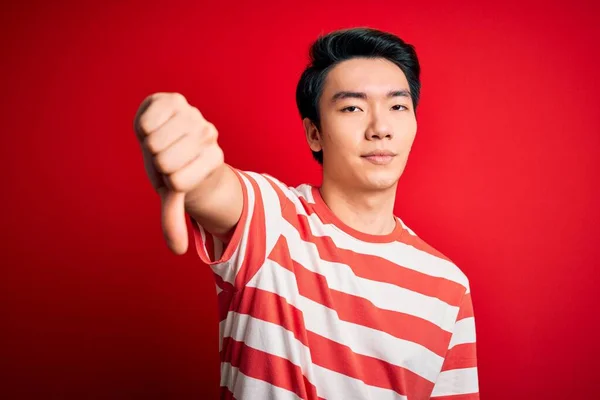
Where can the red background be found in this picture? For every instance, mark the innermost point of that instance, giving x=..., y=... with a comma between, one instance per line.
x=503, y=178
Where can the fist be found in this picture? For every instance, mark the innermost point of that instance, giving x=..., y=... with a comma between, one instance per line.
x=179, y=146
x=180, y=151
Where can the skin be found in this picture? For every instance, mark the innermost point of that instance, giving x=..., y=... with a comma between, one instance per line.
x=186, y=166
x=362, y=193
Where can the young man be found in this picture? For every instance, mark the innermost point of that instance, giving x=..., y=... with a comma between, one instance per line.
x=323, y=292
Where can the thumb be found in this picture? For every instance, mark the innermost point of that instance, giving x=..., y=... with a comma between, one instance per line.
x=173, y=220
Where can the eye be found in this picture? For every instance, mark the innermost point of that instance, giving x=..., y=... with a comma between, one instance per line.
x=399, y=107
x=350, y=109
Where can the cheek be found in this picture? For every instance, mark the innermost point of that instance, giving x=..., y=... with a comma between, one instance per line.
x=409, y=131
x=343, y=133
x=409, y=138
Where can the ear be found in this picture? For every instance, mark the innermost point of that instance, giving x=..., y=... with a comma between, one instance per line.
x=313, y=136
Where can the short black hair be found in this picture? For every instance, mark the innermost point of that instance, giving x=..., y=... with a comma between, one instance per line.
x=344, y=44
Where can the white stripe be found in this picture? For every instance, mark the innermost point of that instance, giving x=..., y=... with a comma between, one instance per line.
x=281, y=342
x=304, y=190
x=456, y=381
x=399, y=253
x=360, y=339
x=406, y=227
x=464, y=332
x=244, y=387
x=330, y=383
x=203, y=239
x=218, y=248
x=272, y=209
x=228, y=269
x=278, y=341
x=383, y=295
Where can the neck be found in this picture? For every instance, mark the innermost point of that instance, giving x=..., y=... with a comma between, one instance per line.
x=370, y=212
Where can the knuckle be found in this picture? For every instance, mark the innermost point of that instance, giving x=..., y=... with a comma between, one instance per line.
x=173, y=181
x=151, y=98
x=211, y=131
x=155, y=96
x=198, y=129
x=151, y=144
x=161, y=162
x=195, y=113
x=219, y=155
x=145, y=123
x=177, y=181
x=214, y=158
x=177, y=99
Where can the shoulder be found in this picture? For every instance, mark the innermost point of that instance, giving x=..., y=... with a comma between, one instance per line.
x=274, y=190
x=445, y=266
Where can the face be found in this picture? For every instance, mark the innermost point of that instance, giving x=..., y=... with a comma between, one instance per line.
x=368, y=124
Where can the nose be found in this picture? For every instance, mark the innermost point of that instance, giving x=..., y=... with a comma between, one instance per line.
x=378, y=128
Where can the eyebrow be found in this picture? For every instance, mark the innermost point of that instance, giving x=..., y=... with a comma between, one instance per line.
x=361, y=95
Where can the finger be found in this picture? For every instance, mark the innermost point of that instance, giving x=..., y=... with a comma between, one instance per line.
x=157, y=110
x=140, y=111
x=173, y=221
x=179, y=154
x=178, y=125
x=185, y=149
x=188, y=177
x=156, y=178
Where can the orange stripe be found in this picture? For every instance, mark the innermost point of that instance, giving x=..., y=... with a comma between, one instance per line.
x=275, y=370
x=223, y=304
x=272, y=308
x=223, y=298
x=420, y=244
x=361, y=311
x=461, y=356
x=210, y=246
x=222, y=283
x=203, y=247
x=372, y=371
x=329, y=354
x=466, y=307
x=255, y=248
x=236, y=236
x=470, y=396
x=406, y=237
x=375, y=268
x=284, y=202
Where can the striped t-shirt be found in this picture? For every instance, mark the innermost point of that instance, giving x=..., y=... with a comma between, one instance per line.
x=310, y=308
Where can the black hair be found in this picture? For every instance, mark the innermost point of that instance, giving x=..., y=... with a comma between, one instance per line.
x=329, y=50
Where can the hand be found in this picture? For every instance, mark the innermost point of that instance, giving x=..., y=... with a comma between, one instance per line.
x=180, y=152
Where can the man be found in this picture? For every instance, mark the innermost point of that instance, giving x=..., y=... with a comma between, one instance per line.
x=323, y=292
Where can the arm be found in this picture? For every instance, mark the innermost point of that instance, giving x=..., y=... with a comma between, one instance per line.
x=236, y=215
x=217, y=204
x=186, y=167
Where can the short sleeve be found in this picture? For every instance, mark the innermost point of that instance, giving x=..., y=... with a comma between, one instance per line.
x=458, y=379
x=254, y=236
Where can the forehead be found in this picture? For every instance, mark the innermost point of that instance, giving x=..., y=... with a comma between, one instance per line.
x=375, y=76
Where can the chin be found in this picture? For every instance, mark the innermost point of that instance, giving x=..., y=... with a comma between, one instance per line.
x=380, y=180
x=380, y=177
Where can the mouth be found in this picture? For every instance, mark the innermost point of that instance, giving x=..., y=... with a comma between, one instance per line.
x=379, y=157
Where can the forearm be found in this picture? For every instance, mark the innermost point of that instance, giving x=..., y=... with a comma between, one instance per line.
x=217, y=203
